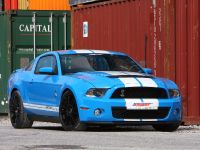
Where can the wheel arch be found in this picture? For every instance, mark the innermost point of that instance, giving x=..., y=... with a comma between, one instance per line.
x=63, y=92
x=16, y=89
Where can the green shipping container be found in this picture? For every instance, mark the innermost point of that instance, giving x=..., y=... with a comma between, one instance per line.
x=27, y=34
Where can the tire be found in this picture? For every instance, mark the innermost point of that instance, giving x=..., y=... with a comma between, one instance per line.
x=68, y=112
x=166, y=127
x=18, y=117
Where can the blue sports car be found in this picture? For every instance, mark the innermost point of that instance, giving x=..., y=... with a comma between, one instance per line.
x=80, y=88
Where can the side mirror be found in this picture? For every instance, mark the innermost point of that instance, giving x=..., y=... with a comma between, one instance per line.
x=46, y=70
x=148, y=70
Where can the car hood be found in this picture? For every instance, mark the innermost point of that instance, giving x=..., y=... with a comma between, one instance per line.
x=109, y=79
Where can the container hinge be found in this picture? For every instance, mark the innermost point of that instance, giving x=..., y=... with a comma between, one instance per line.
x=65, y=31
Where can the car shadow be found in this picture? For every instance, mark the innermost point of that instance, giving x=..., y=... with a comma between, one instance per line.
x=102, y=129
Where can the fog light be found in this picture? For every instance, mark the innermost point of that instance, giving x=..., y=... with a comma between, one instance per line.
x=97, y=112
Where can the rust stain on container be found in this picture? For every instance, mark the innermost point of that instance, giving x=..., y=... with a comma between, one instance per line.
x=161, y=34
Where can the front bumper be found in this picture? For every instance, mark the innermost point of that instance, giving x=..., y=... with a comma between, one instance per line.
x=174, y=115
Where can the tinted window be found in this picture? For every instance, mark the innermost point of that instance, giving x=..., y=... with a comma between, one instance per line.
x=97, y=62
x=47, y=61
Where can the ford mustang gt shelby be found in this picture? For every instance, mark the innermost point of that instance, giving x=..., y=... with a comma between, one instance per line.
x=78, y=88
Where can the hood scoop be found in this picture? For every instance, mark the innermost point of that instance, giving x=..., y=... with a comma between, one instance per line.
x=129, y=76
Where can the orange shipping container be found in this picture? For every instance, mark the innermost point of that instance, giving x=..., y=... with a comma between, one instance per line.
x=49, y=5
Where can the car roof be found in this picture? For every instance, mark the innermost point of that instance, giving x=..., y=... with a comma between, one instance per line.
x=86, y=51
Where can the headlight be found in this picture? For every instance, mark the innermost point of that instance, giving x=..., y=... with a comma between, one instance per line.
x=94, y=92
x=174, y=93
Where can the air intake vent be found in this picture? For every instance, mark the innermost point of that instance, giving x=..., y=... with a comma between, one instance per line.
x=123, y=113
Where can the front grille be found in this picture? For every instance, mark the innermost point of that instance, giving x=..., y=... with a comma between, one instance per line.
x=140, y=92
x=123, y=113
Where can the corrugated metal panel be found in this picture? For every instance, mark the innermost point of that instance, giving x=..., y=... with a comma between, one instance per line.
x=163, y=35
x=14, y=4
x=49, y=5
x=188, y=57
x=181, y=51
x=77, y=2
x=7, y=4
x=23, y=4
x=1, y=5
x=5, y=62
x=123, y=25
x=10, y=4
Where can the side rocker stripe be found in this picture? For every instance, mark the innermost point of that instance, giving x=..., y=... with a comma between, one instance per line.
x=41, y=107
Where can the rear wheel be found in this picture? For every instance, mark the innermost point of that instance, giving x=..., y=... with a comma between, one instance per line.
x=166, y=127
x=18, y=117
x=69, y=115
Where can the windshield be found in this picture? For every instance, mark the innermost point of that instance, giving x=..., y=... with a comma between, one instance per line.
x=97, y=62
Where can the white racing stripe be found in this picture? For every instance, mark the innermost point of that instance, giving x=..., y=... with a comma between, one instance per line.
x=82, y=51
x=134, y=73
x=145, y=104
x=132, y=120
x=147, y=82
x=101, y=51
x=41, y=107
x=118, y=73
x=130, y=82
x=138, y=120
x=114, y=73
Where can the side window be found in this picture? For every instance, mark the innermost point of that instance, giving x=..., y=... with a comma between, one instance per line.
x=47, y=61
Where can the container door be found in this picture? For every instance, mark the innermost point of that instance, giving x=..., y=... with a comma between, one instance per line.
x=64, y=26
x=3, y=83
x=4, y=62
x=29, y=43
x=51, y=33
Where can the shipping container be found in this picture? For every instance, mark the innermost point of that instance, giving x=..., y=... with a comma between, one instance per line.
x=160, y=34
x=1, y=5
x=23, y=4
x=7, y=5
x=10, y=4
x=188, y=57
x=25, y=34
x=5, y=63
x=49, y=5
x=77, y=2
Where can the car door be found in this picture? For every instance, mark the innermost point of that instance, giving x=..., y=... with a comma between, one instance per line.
x=43, y=88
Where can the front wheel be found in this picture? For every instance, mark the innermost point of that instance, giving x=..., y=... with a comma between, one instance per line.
x=18, y=117
x=69, y=115
x=166, y=127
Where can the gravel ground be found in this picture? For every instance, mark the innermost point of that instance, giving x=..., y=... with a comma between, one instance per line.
x=49, y=136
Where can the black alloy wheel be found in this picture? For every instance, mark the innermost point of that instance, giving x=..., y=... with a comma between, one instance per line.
x=18, y=117
x=69, y=115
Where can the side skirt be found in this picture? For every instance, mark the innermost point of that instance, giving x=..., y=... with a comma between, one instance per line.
x=44, y=118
